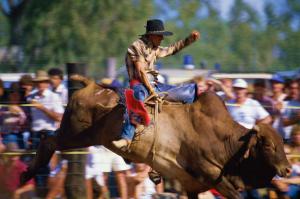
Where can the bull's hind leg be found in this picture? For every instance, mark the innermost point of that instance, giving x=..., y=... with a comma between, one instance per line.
x=44, y=153
x=225, y=188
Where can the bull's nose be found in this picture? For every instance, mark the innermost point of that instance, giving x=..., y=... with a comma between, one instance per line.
x=288, y=171
x=284, y=172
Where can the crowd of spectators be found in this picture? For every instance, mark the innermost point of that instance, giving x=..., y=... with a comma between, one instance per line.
x=33, y=107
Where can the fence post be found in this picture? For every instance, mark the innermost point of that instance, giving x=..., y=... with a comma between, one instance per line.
x=75, y=181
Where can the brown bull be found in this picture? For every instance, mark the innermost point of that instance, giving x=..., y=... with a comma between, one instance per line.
x=199, y=144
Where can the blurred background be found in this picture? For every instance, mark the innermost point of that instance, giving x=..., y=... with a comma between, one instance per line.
x=236, y=35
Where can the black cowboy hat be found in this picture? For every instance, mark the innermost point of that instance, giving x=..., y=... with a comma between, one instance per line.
x=156, y=27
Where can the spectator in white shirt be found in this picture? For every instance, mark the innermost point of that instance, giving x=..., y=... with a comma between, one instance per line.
x=47, y=107
x=46, y=111
x=244, y=110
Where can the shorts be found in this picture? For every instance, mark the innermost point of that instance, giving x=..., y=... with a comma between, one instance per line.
x=111, y=161
x=96, y=173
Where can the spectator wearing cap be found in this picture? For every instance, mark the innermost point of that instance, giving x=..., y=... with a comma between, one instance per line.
x=46, y=111
x=244, y=110
x=47, y=107
x=56, y=80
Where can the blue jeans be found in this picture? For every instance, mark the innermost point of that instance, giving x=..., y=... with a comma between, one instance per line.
x=16, y=138
x=184, y=93
x=36, y=137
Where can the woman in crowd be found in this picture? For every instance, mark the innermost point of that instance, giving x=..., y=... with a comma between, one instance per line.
x=13, y=117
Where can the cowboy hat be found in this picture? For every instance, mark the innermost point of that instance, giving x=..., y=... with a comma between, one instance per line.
x=41, y=76
x=156, y=27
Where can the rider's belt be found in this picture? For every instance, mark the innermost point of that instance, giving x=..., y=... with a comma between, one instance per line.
x=134, y=82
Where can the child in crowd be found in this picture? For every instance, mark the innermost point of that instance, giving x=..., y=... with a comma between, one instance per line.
x=11, y=168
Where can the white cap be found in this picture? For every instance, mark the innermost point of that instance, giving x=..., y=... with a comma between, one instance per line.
x=240, y=83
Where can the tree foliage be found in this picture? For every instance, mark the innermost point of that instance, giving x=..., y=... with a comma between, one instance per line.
x=55, y=32
x=51, y=32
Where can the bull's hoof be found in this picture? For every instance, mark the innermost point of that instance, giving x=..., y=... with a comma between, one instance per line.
x=155, y=177
x=25, y=177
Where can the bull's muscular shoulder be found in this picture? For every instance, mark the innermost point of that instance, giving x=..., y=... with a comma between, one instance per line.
x=212, y=105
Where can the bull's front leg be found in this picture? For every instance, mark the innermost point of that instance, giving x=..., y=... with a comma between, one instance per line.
x=225, y=188
x=213, y=175
x=44, y=153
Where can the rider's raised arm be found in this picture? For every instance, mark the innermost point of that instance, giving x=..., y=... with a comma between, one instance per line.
x=177, y=46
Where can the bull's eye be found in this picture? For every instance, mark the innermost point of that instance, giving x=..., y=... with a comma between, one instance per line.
x=269, y=147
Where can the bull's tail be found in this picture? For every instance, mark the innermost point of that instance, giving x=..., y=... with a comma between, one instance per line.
x=46, y=149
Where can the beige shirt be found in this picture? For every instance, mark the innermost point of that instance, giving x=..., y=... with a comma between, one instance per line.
x=143, y=51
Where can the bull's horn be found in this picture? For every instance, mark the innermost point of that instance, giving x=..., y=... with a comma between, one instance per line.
x=256, y=128
x=81, y=79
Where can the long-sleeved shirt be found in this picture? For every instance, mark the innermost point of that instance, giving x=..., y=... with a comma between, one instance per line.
x=142, y=50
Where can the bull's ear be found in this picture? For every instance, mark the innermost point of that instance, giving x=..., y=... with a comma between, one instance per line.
x=251, y=141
